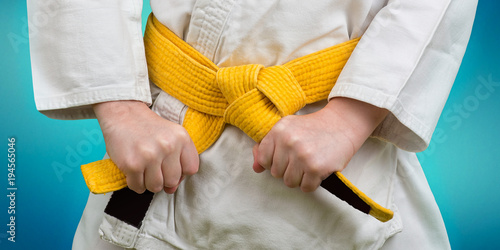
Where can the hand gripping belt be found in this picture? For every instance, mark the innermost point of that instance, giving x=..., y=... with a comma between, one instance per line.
x=250, y=97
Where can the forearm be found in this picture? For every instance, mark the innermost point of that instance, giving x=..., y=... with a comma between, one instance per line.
x=355, y=118
x=117, y=111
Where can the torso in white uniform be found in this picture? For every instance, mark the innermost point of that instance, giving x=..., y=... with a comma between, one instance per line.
x=227, y=205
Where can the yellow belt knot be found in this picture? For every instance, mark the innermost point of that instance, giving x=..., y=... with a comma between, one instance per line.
x=256, y=101
x=250, y=97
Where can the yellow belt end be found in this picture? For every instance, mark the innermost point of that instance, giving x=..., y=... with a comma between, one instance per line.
x=103, y=177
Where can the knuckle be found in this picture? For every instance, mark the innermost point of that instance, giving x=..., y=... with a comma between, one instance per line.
x=169, y=190
x=171, y=178
x=308, y=188
x=190, y=169
x=280, y=126
x=180, y=135
x=170, y=142
x=166, y=144
x=276, y=173
x=313, y=168
x=132, y=166
x=285, y=121
x=155, y=188
x=147, y=153
x=292, y=141
x=263, y=161
x=154, y=184
x=289, y=182
x=138, y=189
x=171, y=182
x=309, y=183
x=134, y=185
x=304, y=154
x=184, y=136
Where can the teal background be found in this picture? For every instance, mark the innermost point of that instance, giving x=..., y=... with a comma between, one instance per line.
x=462, y=162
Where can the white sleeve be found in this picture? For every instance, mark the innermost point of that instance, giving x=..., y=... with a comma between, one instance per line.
x=406, y=62
x=85, y=52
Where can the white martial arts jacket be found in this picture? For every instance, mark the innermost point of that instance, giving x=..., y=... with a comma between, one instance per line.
x=89, y=51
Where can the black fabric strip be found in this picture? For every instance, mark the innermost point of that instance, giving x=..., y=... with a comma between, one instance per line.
x=335, y=186
x=128, y=206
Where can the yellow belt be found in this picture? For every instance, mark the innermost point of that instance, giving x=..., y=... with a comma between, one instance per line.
x=250, y=97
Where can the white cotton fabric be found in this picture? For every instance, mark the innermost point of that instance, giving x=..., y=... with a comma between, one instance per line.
x=91, y=51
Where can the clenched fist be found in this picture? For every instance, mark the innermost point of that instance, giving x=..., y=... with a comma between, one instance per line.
x=305, y=150
x=152, y=152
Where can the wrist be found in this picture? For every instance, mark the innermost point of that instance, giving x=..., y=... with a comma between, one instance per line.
x=117, y=110
x=355, y=118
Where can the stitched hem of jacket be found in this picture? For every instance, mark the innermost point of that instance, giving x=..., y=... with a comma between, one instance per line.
x=401, y=128
x=66, y=108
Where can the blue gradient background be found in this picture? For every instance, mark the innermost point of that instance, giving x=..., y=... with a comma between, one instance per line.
x=462, y=163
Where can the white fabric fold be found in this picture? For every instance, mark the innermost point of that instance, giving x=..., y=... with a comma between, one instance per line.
x=86, y=52
x=91, y=51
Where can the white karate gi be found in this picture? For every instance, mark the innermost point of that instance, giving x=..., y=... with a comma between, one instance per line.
x=91, y=51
